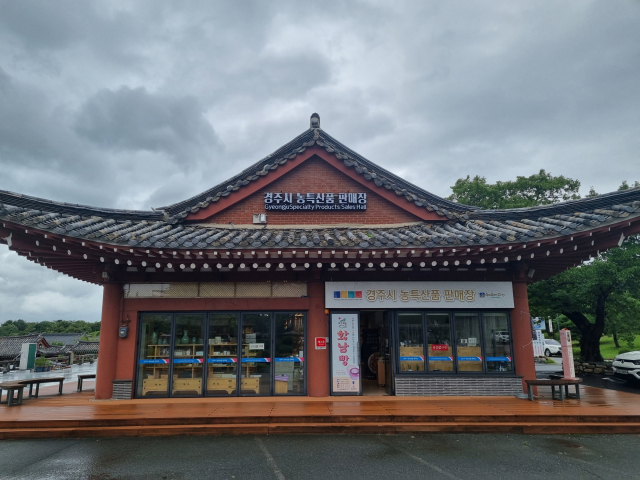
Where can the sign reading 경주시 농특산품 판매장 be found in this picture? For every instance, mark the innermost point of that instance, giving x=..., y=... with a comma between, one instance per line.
x=292, y=202
x=418, y=295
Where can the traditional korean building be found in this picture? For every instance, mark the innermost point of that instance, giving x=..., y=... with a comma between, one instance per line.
x=314, y=272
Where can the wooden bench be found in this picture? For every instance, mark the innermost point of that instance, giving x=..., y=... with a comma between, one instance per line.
x=560, y=382
x=84, y=376
x=12, y=388
x=37, y=381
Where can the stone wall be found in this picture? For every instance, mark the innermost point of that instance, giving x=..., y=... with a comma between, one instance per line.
x=593, y=368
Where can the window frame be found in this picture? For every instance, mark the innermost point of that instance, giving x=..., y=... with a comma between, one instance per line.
x=207, y=315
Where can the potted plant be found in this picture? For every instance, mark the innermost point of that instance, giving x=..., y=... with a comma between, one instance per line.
x=40, y=364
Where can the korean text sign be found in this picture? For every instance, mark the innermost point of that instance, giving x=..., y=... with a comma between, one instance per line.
x=295, y=201
x=418, y=295
x=345, y=361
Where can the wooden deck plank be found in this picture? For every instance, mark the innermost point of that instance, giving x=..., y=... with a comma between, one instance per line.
x=78, y=414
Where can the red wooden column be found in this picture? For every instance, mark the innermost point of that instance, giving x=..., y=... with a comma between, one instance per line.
x=317, y=326
x=109, y=325
x=521, y=330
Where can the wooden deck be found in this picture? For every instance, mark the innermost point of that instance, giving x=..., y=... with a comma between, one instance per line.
x=79, y=415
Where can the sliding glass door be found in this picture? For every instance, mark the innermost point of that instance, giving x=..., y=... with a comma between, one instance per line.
x=255, y=377
x=222, y=354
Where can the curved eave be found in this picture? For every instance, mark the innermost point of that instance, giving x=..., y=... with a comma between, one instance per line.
x=608, y=204
x=50, y=206
x=87, y=260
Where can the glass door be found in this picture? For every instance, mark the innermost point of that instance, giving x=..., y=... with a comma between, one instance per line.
x=468, y=342
x=188, y=355
x=387, y=350
x=497, y=344
x=411, y=337
x=153, y=355
x=222, y=354
x=289, y=353
x=439, y=346
x=255, y=375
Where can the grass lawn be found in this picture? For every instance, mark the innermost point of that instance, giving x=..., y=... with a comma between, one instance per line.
x=608, y=349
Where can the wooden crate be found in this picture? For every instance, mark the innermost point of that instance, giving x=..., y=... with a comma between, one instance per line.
x=281, y=386
x=464, y=366
x=250, y=384
x=218, y=383
x=154, y=385
x=411, y=351
x=187, y=385
x=440, y=366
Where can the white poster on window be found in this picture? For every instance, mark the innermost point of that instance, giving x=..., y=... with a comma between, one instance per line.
x=538, y=344
x=345, y=360
x=418, y=295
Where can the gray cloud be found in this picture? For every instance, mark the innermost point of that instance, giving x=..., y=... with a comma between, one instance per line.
x=133, y=105
x=134, y=119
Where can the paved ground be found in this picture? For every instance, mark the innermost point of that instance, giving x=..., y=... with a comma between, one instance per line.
x=544, y=369
x=447, y=456
x=70, y=374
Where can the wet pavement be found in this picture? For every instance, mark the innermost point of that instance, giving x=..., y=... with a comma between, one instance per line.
x=70, y=374
x=446, y=456
x=543, y=370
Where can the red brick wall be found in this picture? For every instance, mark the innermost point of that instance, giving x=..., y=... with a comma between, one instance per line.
x=316, y=176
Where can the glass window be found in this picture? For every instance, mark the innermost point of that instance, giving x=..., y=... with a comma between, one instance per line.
x=255, y=377
x=188, y=355
x=468, y=345
x=222, y=354
x=497, y=342
x=411, y=338
x=153, y=355
x=289, y=353
x=439, y=347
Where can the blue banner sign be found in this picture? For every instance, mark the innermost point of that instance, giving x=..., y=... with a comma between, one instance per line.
x=222, y=360
x=256, y=360
x=288, y=359
x=187, y=360
x=498, y=359
x=154, y=361
x=412, y=359
x=440, y=359
x=469, y=359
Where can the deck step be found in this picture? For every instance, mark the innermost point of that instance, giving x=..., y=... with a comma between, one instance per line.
x=319, y=428
x=294, y=421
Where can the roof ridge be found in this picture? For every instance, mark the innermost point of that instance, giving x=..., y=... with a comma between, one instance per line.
x=568, y=206
x=316, y=136
x=287, y=148
x=36, y=203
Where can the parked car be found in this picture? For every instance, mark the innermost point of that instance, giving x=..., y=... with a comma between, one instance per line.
x=502, y=337
x=627, y=367
x=552, y=347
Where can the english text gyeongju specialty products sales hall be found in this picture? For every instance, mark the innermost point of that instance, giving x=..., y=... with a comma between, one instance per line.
x=314, y=272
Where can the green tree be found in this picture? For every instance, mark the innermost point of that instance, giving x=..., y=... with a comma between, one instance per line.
x=623, y=318
x=539, y=189
x=587, y=294
x=22, y=327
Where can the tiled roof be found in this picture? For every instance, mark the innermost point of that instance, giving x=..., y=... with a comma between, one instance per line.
x=10, y=347
x=88, y=230
x=65, y=338
x=86, y=348
x=316, y=136
x=480, y=228
x=51, y=351
x=35, y=203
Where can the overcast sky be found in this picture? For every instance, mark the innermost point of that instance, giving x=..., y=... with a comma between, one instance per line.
x=141, y=104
